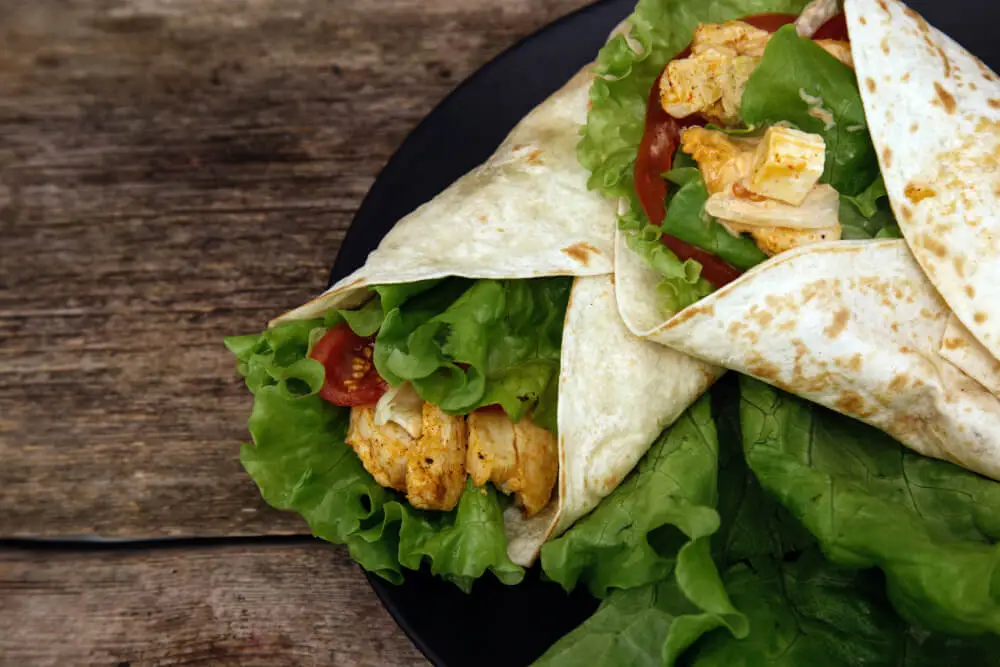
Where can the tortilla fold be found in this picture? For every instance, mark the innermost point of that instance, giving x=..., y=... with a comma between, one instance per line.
x=934, y=114
x=527, y=213
x=854, y=326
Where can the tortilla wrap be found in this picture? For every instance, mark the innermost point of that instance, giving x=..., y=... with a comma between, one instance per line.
x=934, y=114
x=854, y=326
x=527, y=213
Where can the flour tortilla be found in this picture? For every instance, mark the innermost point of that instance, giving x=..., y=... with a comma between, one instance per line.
x=934, y=114
x=854, y=326
x=527, y=213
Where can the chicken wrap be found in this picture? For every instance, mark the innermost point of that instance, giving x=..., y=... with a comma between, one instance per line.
x=756, y=225
x=470, y=391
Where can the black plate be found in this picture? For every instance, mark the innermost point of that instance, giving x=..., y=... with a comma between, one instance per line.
x=500, y=625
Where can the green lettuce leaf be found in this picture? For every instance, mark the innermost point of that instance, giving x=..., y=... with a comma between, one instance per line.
x=798, y=82
x=300, y=462
x=930, y=526
x=687, y=220
x=465, y=344
x=869, y=214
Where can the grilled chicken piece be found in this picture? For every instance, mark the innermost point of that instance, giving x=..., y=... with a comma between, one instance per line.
x=776, y=240
x=520, y=459
x=382, y=449
x=838, y=49
x=435, y=464
x=721, y=160
x=733, y=37
x=492, y=457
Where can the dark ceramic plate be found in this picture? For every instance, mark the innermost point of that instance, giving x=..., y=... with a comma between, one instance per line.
x=499, y=625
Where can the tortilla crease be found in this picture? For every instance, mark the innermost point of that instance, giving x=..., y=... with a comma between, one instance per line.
x=854, y=326
x=934, y=114
x=527, y=213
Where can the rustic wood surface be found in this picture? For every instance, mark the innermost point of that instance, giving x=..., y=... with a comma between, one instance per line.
x=172, y=171
x=219, y=606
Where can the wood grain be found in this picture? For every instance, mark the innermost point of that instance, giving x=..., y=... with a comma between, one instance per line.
x=172, y=172
x=249, y=606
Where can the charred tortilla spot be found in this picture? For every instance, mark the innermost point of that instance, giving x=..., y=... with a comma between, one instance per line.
x=887, y=157
x=899, y=382
x=953, y=343
x=694, y=311
x=885, y=7
x=980, y=317
x=946, y=98
x=905, y=77
x=934, y=246
x=535, y=157
x=765, y=370
x=916, y=193
x=914, y=126
x=870, y=84
x=840, y=320
x=994, y=103
x=907, y=213
x=885, y=45
x=852, y=403
x=970, y=291
x=959, y=262
x=863, y=20
x=581, y=252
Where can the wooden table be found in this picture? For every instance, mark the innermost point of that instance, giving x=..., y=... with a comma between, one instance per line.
x=172, y=171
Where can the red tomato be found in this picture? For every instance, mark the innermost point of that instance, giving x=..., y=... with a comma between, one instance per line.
x=351, y=378
x=835, y=28
x=770, y=22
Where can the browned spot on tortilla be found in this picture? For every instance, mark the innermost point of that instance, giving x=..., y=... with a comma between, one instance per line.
x=787, y=325
x=581, y=252
x=733, y=328
x=970, y=291
x=927, y=314
x=916, y=193
x=899, y=382
x=914, y=126
x=887, y=157
x=852, y=403
x=483, y=218
x=905, y=77
x=994, y=103
x=708, y=376
x=953, y=343
x=863, y=20
x=534, y=157
x=907, y=213
x=870, y=84
x=973, y=86
x=895, y=326
x=851, y=363
x=765, y=370
x=959, y=262
x=840, y=320
x=517, y=147
x=934, y=246
x=988, y=125
x=980, y=317
x=885, y=45
x=694, y=311
x=885, y=7
x=945, y=97
x=765, y=318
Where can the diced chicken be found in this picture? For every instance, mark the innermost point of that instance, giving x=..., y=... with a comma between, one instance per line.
x=403, y=406
x=537, y=466
x=382, y=449
x=815, y=14
x=787, y=164
x=723, y=161
x=776, y=240
x=520, y=459
x=711, y=80
x=735, y=37
x=838, y=49
x=492, y=457
x=435, y=464
x=777, y=226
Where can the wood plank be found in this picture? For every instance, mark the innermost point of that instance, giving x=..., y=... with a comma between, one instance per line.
x=172, y=172
x=236, y=605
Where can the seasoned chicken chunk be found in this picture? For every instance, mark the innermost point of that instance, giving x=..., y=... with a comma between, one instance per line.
x=537, y=466
x=721, y=160
x=787, y=165
x=838, y=49
x=492, y=457
x=734, y=37
x=520, y=459
x=435, y=464
x=382, y=449
x=776, y=240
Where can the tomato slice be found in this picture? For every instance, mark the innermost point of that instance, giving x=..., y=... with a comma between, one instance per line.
x=351, y=378
x=660, y=139
x=835, y=28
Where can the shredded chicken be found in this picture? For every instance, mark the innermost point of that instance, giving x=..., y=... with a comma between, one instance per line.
x=435, y=466
x=776, y=240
